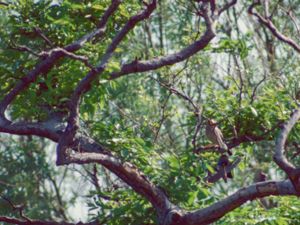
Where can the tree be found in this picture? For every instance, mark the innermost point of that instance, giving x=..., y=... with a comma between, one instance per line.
x=65, y=70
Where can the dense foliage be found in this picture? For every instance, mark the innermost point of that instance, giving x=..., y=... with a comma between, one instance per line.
x=245, y=79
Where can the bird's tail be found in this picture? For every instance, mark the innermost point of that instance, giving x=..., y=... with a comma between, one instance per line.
x=230, y=175
x=223, y=147
x=224, y=174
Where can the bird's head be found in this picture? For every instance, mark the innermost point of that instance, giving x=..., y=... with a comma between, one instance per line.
x=211, y=122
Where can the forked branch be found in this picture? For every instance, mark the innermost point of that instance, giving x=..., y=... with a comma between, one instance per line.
x=267, y=22
x=85, y=84
x=44, y=66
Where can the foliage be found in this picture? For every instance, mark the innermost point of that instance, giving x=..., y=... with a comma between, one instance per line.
x=236, y=80
x=27, y=178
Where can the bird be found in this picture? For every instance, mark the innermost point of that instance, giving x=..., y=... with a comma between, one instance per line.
x=260, y=176
x=214, y=134
x=221, y=167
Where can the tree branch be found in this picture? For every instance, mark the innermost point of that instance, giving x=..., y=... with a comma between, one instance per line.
x=138, y=66
x=129, y=174
x=279, y=157
x=46, y=64
x=85, y=84
x=269, y=24
x=236, y=141
x=11, y=220
x=227, y=6
x=43, y=36
x=88, y=151
x=217, y=176
x=4, y=3
x=92, y=152
x=219, y=209
x=71, y=55
x=139, y=182
x=23, y=48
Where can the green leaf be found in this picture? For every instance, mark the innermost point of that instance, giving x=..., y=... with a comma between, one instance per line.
x=254, y=112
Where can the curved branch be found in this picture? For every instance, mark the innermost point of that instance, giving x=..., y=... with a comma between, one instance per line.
x=219, y=209
x=236, y=141
x=93, y=152
x=227, y=6
x=269, y=24
x=129, y=174
x=51, y=129
x=4, y=3
x=141, y=184
x=42, y=67
x=88, y=151
x=85, y=84
x=214, y=178
x=99, y=31
x=279, y=157
x=11, y=220
x=156, y=63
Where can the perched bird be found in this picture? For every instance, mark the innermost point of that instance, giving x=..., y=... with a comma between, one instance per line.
x=221, y=167
x=215, y=135
x=260, y=176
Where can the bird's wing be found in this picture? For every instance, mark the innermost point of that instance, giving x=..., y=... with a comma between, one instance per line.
x=219, y=136
x=218, y=131
x=210, y=133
